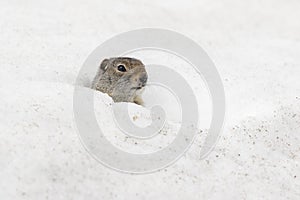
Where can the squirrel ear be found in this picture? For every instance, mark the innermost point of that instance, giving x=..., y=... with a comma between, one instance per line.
x=103, y=65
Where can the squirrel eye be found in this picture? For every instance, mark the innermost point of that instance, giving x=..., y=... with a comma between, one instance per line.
x=121, y=68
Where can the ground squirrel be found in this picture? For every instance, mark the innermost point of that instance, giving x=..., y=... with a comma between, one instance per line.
x=122, y=78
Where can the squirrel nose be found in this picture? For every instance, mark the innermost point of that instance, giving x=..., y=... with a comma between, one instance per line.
x=143, y=79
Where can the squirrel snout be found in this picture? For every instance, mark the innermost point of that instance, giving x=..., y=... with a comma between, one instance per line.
x=143, y=79
x=139, y=80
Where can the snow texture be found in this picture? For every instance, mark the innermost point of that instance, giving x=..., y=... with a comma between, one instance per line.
x=255, y=46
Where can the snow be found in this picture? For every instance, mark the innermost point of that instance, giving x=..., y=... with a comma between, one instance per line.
x=255, y=46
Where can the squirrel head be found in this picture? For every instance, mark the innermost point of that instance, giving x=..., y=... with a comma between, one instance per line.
x=122, y=78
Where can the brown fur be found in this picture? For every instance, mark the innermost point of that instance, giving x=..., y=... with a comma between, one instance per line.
x=121, y=86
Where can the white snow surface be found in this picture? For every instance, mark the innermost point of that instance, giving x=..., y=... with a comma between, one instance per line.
x=255, y=46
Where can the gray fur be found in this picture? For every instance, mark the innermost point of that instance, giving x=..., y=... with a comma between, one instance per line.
x=121, y=86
